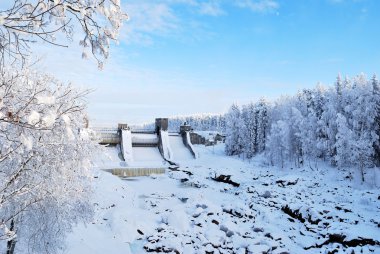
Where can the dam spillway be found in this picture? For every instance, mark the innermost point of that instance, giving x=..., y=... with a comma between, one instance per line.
x=143, y=152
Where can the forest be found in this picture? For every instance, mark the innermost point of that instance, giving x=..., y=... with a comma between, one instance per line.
x=338, y=124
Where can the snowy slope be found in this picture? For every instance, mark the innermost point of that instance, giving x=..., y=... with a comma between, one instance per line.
x=180, y=151
x=272, y=210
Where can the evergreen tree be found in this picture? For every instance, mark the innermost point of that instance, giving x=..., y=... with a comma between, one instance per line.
x=376, y=96
x=234, y=138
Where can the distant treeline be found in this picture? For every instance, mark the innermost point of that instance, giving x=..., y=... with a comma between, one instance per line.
x=201, y=122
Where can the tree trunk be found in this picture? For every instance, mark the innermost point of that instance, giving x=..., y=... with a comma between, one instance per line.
x=362, y=170
x=11, y=244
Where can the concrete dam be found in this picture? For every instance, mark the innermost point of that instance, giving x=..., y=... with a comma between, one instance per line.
x=143, y=152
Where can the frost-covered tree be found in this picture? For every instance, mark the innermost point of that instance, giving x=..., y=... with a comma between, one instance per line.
x=316, y=123
x=262, y=124
x=278, y=143
x=345, y=143
x=45, y=149
x=296, y=136
x=255, y=127
x=329, y=126
x=249, y=130
x=23, y=22
x=363, y=120
x=376, y=97
x=234, y=134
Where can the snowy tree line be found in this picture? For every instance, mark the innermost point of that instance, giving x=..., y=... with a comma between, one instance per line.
x=339, y=124
x=200, y=122
x=246, y=129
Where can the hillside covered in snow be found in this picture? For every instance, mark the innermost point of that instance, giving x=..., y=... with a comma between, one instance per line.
x=220, y=204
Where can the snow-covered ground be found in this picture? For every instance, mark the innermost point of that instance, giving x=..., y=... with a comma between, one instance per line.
x=271, y=211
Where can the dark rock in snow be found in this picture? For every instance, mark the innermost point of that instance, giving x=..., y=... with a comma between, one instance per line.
x=266, y=194
x=340, y=238
x=225, y=179
x=229, y=233
x=283, y=183
x=183, y=200
x=223, y=228
x=215, y=222
x=233, y=213
x=297, y=215
x=203, y=206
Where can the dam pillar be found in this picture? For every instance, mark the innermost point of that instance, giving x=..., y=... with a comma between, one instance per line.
x=162, y=124
x=184, y=128
x=122, y=126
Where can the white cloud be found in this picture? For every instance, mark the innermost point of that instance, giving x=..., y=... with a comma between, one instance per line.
x=173, y=17
x=212, y=8
x=261, y=6
x=147, y=19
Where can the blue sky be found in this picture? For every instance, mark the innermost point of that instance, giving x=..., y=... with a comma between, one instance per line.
x=191, y=56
